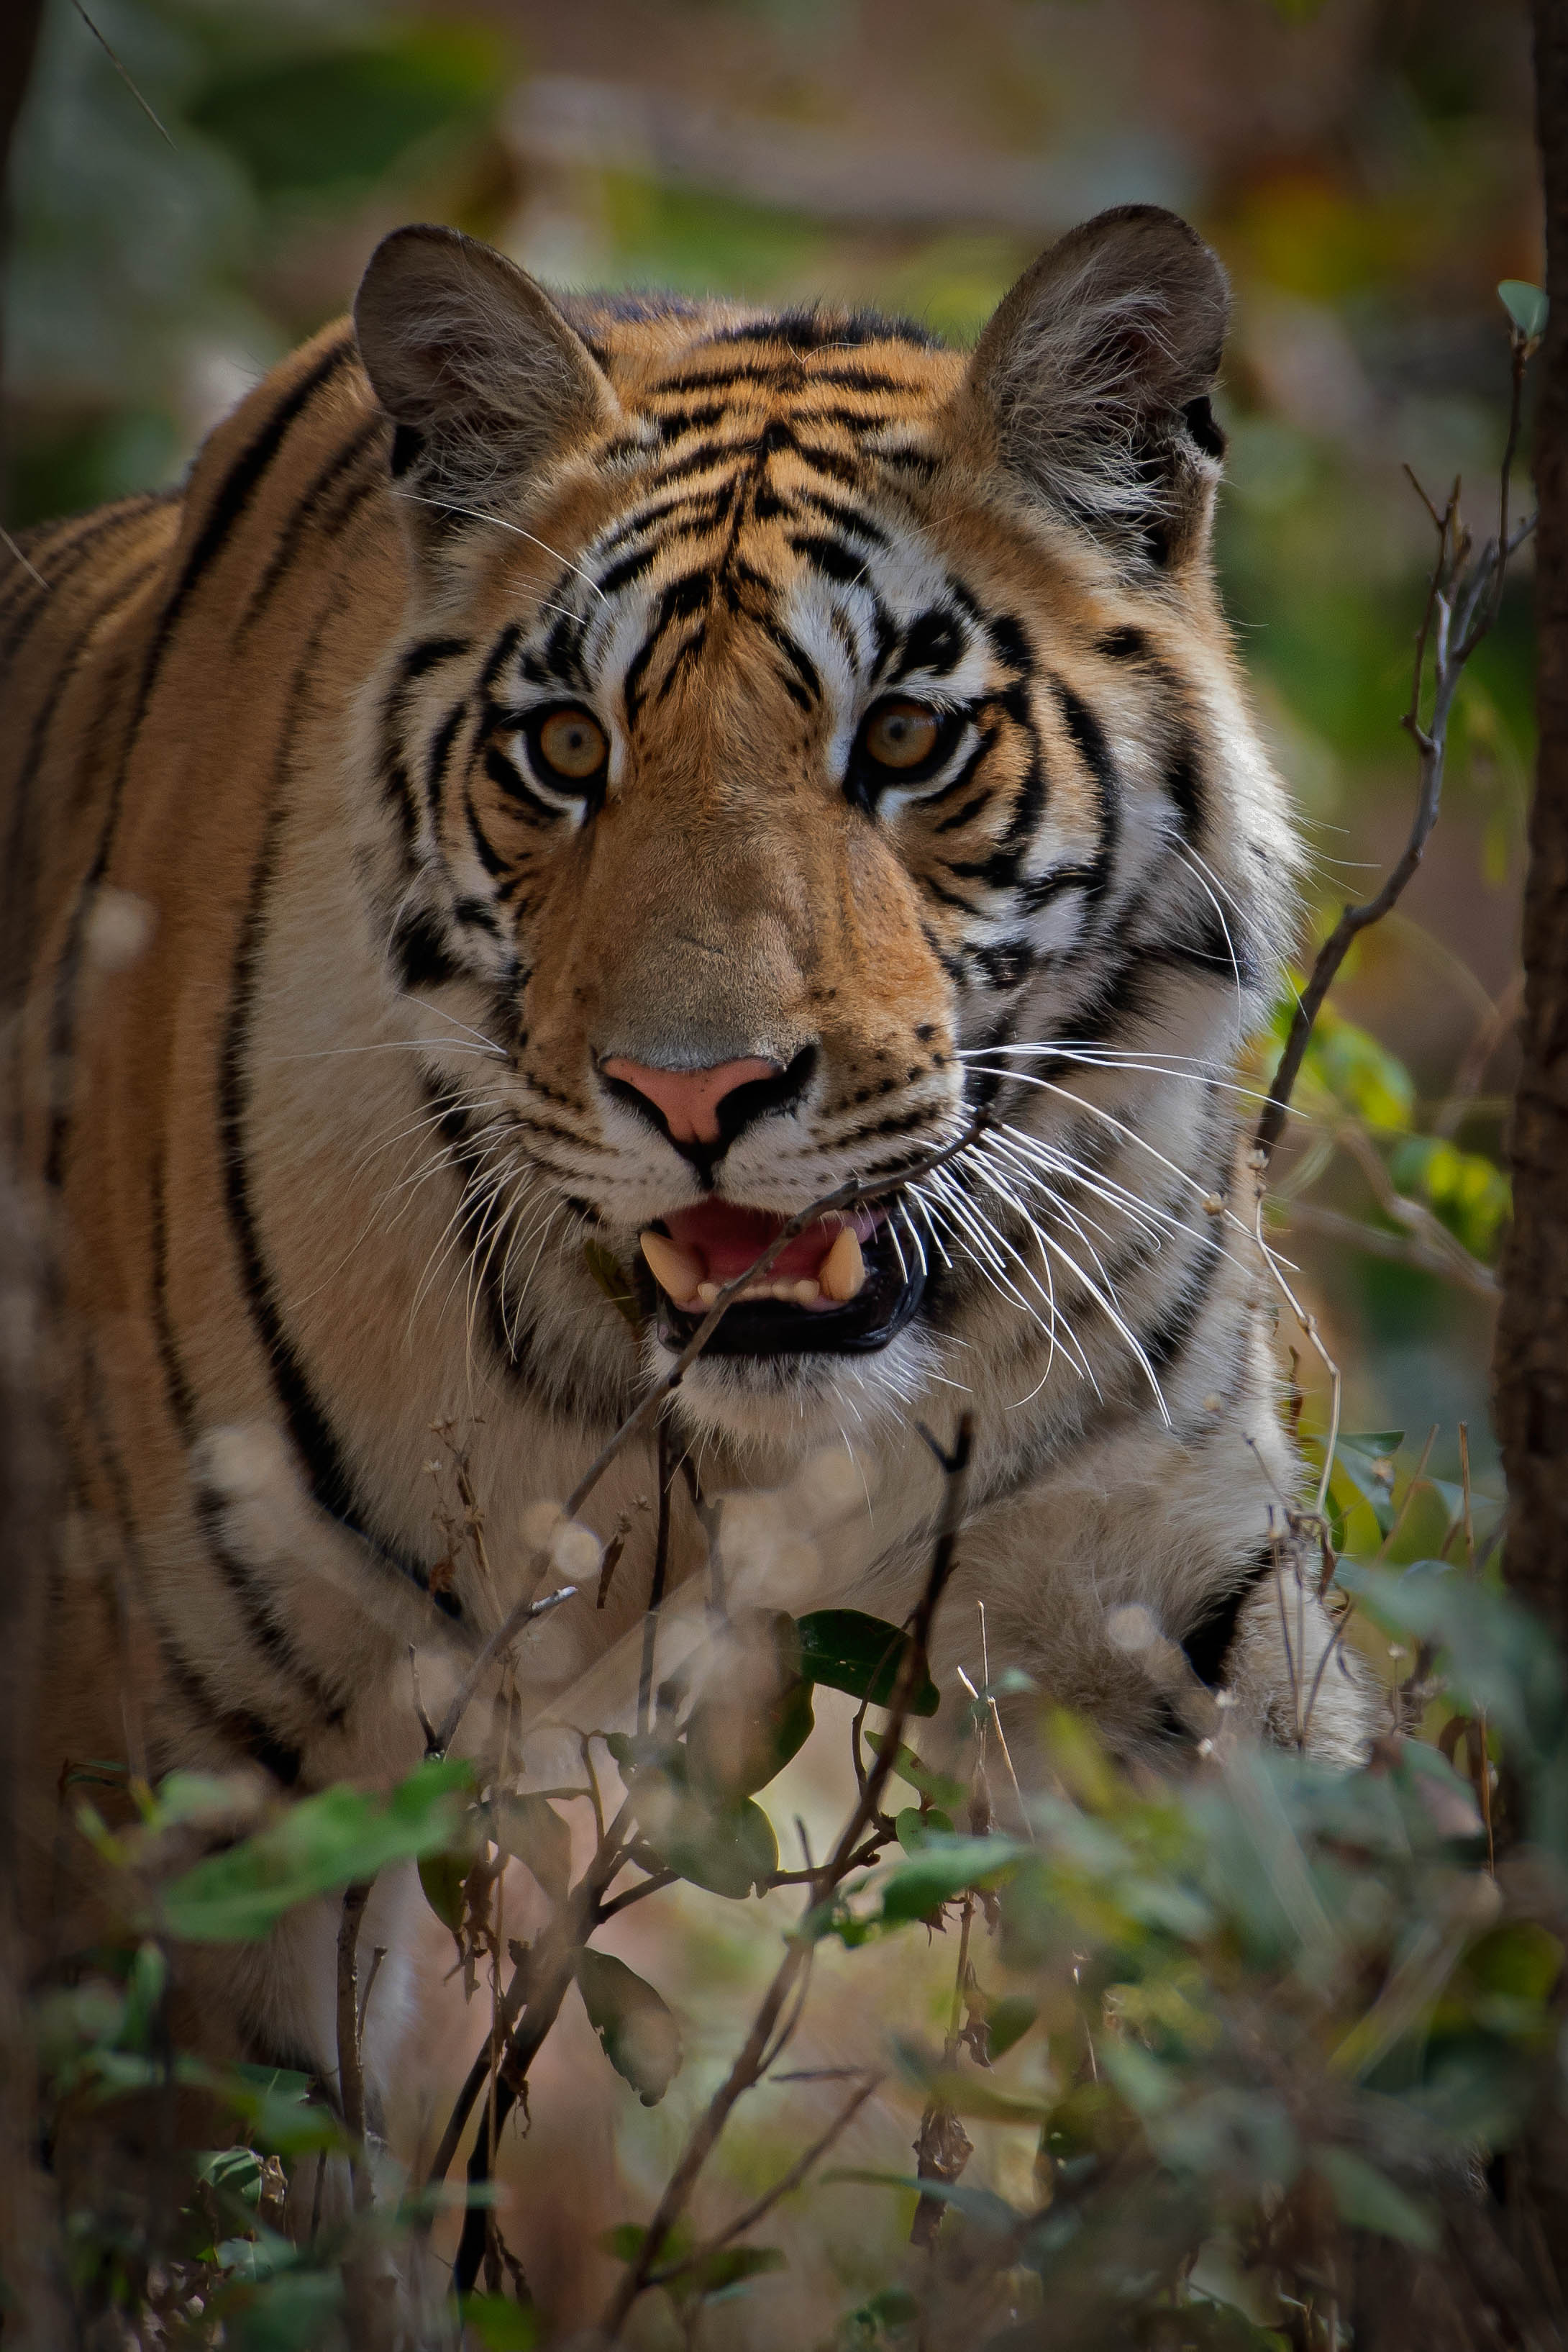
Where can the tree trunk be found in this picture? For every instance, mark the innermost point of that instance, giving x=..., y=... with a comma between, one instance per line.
x=1531, y=1365
x=19, y=24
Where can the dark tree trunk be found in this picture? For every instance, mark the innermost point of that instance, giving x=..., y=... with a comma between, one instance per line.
x=19, y=23
x=1531, y=1366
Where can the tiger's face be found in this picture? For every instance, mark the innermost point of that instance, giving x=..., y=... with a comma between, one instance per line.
x=794, y=715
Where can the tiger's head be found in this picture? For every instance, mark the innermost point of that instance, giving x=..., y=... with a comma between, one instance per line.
x=795, y=717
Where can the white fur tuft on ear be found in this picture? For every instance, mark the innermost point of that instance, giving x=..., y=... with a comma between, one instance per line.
x=1093, y=375
x=480, y=372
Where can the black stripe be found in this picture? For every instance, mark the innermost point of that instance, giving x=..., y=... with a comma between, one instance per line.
x=228, y=504
x=252, y=1601
x=494, y=864
x=1184, y=781
x=19, y=865
x=29, y=602
x=1089, y=737
x=440, y=753
x=830, y=556
x=418, y=948
x=1177, y=1325
x=304, y=514
x=310, y=1426
x=848, y=518
x=237, y=1726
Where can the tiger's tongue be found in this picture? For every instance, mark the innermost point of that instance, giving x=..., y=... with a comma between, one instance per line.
x=728, y=1240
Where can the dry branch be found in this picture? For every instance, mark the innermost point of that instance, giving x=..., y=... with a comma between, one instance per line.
x=1462, y=602
x=760, y=2044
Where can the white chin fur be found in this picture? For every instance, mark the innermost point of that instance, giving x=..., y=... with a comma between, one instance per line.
x=803, y=1402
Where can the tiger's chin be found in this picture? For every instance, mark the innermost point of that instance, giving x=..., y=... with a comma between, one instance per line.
x=789, y=1402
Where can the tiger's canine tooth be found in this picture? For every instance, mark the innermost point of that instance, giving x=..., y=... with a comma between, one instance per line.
x=670, y=1266
x=842, y=1272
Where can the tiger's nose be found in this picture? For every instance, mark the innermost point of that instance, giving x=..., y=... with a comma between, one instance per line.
x=689, y=1101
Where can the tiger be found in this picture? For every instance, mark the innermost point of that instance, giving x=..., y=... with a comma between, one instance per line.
x=565, y=787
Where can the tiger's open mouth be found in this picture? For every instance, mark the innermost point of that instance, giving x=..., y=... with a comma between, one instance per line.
x=841, y=1287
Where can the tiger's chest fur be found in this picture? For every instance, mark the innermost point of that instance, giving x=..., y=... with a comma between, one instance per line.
x=559, y=776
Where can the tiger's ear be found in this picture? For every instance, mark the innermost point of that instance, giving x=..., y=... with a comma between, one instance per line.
x=481, y=376
x=1093, y=379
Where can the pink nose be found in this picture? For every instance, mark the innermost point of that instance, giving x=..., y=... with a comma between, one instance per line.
x=689, y=1100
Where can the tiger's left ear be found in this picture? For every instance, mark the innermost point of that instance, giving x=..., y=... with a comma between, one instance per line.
x=482, y=377
x=1091, y=383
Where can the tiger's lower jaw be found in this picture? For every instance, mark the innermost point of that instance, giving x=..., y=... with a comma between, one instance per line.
x=887, y=1301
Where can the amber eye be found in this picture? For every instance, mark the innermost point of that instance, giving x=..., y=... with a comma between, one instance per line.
x=571, y=743
x=902, y=734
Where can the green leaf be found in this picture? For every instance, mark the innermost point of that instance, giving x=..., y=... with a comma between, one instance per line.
x=937, y=1785
x=316, y=1846
x=531, y=1828
x=946, y=1867
x=1495, y=1657
x=1380, y=1445
x=637, y=2029
x=914, y=1827
x=624, y=2241
x=195, y=1797
x=871, y=2321
x=1526, y=306
x=290, y=2312
x=851, y=1652
x=966, y=2090
x=990, y=2212
x=1007, y=2020
x=444, y=1877
x=615, y=1283
x=1468, y=1192
x=728, y=1849
x=1367, y=1465
x=725, y=2273
x=500, y=2325
x=1350, y=1065
x=1521, y=1961
x=1368, y=2200
x=754, y=1714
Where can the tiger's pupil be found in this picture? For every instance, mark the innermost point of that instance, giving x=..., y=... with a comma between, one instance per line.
x=572, y=744
x=901, y=734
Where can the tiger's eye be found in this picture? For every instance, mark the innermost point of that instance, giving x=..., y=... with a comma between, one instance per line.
x=902, y=734
x=573, y=744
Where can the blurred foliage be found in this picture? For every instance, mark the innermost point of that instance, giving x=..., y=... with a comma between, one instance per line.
x=1264, y=2025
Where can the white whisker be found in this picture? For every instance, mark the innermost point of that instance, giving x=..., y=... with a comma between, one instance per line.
x=450, y=505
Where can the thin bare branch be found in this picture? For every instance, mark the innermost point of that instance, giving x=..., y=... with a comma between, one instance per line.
x=121, y=70
x=781, y=2186
x=350, y=2073
x=1475, y=594
x=746, y=2067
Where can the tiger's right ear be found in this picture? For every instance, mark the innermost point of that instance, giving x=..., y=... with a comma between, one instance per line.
x=481, y=376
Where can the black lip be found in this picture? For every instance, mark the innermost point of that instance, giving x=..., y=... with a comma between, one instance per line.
x=767, y=1326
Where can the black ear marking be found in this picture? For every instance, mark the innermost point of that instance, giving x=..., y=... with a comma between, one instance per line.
x=407, y=448
x=1200, y=421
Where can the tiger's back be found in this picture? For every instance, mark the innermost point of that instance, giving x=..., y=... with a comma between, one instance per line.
x=354, y=1003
